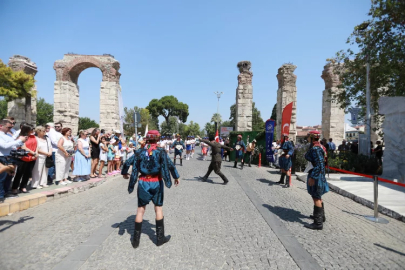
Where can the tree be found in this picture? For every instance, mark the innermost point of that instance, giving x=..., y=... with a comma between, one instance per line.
x=86, y=123
x=168, y=106
x=17, y=84
x=168, y=129
x=192, y=129
x=381, y=43
x=226, y=124
x=209, y=129
x=274, y=113
x=257, y=120
x=3, y=109
x=216, y=118
x=146, y=120
x=44, y=112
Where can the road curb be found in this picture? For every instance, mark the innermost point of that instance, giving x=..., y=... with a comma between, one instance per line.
x=381, y=209
x=22, y=203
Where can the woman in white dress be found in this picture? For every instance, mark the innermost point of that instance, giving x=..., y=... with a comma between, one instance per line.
x=40, y=171
x=63, y=157
x=82, y=158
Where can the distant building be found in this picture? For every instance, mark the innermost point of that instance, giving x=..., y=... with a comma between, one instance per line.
x=302, y=132
x=352, y=132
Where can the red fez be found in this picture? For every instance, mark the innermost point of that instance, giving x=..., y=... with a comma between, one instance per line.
x=152, y=135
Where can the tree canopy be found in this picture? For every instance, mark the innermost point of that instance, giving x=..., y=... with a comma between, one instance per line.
x=3, y=109
x=146, y=120
x=44, y=112
x=86, y=123
x=15, y=84
x=381, y=43
x=168, y=106
x=274, y=113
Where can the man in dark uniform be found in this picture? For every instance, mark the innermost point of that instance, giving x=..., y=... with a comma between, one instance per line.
x=216, y=159
x=178, y=146
x=240, y=148
x=285, y=160
x=153, y=164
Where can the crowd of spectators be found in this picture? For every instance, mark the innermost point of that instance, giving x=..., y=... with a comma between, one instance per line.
x=55, y=156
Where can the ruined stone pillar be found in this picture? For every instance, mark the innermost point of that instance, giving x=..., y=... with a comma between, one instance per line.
x=244, y=97
x=287, y=93
x=16, y=108
x=333, y=117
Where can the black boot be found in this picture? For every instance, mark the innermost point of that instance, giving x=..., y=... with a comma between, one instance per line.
x=281, y=179
x=174, y=162
x=160, y=233
x=234, y=165
x=137, y=234
x=287, y=182
x=250, y=160
x=323, y=216
x=317, y=225
x=203, y=178
x=181, y=162
x=242, y=165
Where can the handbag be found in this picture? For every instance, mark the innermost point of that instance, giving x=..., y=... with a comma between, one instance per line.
x=49, y=163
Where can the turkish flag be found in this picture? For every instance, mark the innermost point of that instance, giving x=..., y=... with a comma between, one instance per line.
x=216, y=136
x=286, y=119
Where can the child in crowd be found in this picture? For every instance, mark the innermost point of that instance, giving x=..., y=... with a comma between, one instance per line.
x=117, y=158
x=110, y=157
x=103, y=155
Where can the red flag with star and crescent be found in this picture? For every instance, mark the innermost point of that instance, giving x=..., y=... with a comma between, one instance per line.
x=216, y=136
x=286, y=119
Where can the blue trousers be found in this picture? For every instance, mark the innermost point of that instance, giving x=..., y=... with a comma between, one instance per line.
x=51, y=170
x=150, y=191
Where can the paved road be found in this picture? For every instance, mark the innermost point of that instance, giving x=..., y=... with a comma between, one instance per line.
x=247, y=224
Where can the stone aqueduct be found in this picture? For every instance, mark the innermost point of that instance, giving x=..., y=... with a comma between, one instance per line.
x=66, y=94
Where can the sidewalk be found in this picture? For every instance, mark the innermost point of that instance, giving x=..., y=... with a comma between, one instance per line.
x=391, y=198
x=39, y=196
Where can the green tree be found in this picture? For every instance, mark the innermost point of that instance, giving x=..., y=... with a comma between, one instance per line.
x=226, y=124
x=86, y=123
x=3, y=109
x=146, y=120
x=257, y=120
x=44, y=112
x=216, y=118
x=192, y=129
x=381, y=43
x=274, y=113
x=168, y=106
x=209, y=129
x=169, y=129
x=17, y=84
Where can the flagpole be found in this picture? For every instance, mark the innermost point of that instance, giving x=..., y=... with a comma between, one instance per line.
x=218, y=96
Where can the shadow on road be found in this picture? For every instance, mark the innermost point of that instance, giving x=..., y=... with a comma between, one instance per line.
x=389, y=249
x=286, y=214
x=265, y=181
x=11, y=223
x=274, y=172
x=128, y=226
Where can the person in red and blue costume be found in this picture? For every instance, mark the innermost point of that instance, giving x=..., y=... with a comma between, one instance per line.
x=240, y=148
x=285, y=161
x=152, y=166
x=316, y=181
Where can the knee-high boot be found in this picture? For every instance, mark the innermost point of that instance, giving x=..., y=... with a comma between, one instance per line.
x=318, y=224
x=181, y=162
x=137, y=234
x=281, y=179
x=323, y=216
x=160, y=233
x=243, y=162
x=174, y=161
x=234, y=165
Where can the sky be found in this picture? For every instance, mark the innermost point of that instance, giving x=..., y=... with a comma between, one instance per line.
x=188, y=49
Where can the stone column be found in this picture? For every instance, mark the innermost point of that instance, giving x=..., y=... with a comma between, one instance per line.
x=244, y=97
x=109, y=105
x=333, y=117
x=16, y=108
x=287, y=93
x=394, y=129
x=66, y=104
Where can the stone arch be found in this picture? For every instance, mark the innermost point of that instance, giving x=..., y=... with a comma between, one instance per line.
x=66, y=94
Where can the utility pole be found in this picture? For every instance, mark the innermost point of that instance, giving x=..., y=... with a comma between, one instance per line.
x=218, y=96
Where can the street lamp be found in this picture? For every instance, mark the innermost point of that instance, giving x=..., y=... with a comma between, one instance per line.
x=218, y=96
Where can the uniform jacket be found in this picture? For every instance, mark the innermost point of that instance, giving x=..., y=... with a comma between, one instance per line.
x=175, y=143
x=157, y=163
x=216, y=149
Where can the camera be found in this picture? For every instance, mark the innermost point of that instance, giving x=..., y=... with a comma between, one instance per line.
x=15, y=157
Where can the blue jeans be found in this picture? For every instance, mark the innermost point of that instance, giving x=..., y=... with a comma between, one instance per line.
x=51, y=170
x=4, y=184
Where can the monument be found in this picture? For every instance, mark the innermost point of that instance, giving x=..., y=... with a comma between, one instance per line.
x=287, y=93
x=333, y=117
x=394, y=129
x=66, y=90
x=244, y=97
x=16, y=108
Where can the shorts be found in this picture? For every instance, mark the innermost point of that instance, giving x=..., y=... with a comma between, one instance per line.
x=150, y=191
x=204, y=150
x=188, y=147
x=110, y=158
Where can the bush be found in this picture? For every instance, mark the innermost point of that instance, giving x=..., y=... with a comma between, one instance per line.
x=299, y=152
x=354, y=162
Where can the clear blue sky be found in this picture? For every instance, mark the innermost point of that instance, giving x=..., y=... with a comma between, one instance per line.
x=188, y=49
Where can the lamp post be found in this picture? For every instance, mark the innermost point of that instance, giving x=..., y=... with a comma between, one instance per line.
x=218, y=96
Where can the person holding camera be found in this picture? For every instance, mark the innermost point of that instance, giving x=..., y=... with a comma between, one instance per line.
x=7, y=144
x=24, y=169
x=63, y=157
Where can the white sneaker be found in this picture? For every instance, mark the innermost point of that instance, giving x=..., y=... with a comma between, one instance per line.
x=69, y=182
x=63, y=183
x=39, y=187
